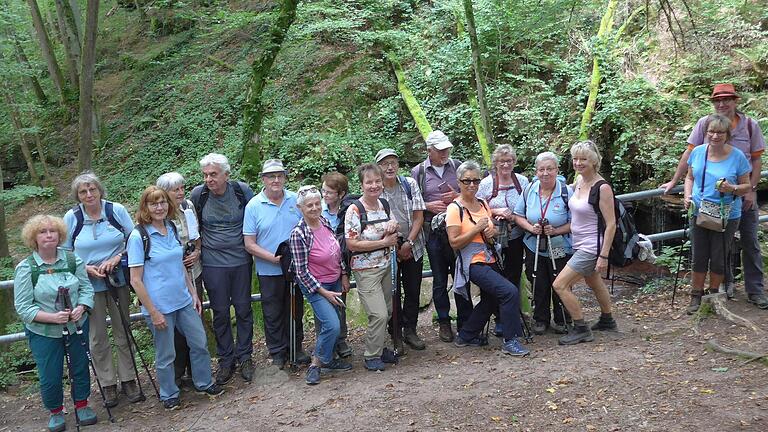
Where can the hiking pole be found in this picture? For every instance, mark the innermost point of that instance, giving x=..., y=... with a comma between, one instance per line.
x=292, y=328
x=686, y=223
x=552, y=288
x=128, y=334
x=60, y=306
x=395, y=302
x=67, y=301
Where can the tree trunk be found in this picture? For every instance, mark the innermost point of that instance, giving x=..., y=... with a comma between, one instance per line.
x=485, y=115
x=47, y=50
x=74, y=7
x=85, y=154
x=41, y=154
x=70, y=40
x=253, y=110
x=606, y=24
x=32, y=82
x=19, y=126
x=422, y=124
x=3, y=235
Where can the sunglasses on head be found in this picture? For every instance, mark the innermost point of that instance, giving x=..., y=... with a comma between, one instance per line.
x=468, y=182
x=307, y=190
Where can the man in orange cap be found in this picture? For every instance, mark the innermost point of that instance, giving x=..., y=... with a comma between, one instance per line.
x=747, y=137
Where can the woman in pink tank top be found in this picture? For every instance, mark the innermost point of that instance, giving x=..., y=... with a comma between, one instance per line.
x=589, y=258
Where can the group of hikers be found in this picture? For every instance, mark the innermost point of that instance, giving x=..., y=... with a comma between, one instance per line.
x=475, y=226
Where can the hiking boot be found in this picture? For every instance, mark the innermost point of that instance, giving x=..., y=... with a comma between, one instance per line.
x=279, y=360
x=374, y=364
x=302, y=358
x=446, y=332
x=246, y=370
x=695, y=303
x=512, y=347
x=87, y=416
x=413, y=340
x=110, y=396
x=399, y=347
x=389, y=356
x=559, y=328
x=498, y=330
x=758, y=300
x=57, y=422
x=727, y=288
x=213, y=390
x=335, y=365
x=539, y=327
x=576, y=335
x=173, y=403
x=474, y=342
x=343, y=349
x=132, y=392
x=313, y=375
x=605, y=324
x=223, y=375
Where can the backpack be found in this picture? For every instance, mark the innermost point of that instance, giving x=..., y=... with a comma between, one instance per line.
x=146, y=241
x=286, y=260
x=200, y=198
x=348, y=201
x=35, y=270
x=438, y=222
x=421, y=176
x=563, y=195
x=624, y=247
x=109, y=210
x=495, y=180
x=406, y=187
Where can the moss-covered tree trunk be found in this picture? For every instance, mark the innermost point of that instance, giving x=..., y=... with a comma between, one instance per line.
x=422, y=124
x=253, y=109
x=70, y=40
x=606, y=24
x=47, y=50
x=485, y=116
x=85, y=152
x=19, y=127
x=3, y=235
x=29, y=74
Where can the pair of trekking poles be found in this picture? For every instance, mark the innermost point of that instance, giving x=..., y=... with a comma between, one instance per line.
x=542, y=223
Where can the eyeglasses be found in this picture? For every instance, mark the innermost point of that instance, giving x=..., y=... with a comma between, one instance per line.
x=158, y=204
x=388, y=164
x=307, y=190
x=273, y=177
x=546, y=170
x=329, y=192
x=474, y=181
x=716, y=132
x=506, y=162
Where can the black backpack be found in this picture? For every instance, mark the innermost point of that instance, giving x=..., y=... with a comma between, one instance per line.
x=200, y=197
x=354, y=200
x=109, y=210
x=146, y=241
x=438, y=223
x=624, y=247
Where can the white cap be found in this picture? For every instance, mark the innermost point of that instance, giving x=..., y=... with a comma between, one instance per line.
x=438, y=140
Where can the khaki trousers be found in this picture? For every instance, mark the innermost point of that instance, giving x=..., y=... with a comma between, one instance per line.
x=101, y=349
x=374, y=286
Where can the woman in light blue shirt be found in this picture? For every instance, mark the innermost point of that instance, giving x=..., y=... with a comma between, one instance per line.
x=543, y=213
x=97, y=230
x=168, y=297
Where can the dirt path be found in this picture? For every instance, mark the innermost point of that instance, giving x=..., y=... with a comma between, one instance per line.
x=653, y=375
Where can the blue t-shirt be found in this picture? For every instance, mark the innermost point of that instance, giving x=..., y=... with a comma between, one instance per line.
x=332, y=218
x=271, y=225
x=98, y=240
x=164, y=271
x=731, y=168
x=557, y=213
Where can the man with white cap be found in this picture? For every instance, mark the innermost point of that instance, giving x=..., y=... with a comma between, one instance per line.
x=220, y=205
x=437, y=180
x=269, y=219
x=407, y=207
x=747, y=137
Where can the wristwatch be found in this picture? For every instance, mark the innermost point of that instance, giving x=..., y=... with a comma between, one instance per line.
x=410, y=242
x=754, y=188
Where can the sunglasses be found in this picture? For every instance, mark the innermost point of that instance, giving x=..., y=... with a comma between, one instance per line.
x=307, y=190
x=475, y=181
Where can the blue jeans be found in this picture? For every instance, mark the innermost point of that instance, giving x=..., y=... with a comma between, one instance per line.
x=441, y=261
x=751, y=260
x=495, y=291
x=188, y=323
x=327, y=315
x=48, y=353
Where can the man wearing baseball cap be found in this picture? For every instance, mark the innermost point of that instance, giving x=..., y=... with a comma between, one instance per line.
x=269, y=219
x=436, y=177
x=407, y=207
x=747, y=137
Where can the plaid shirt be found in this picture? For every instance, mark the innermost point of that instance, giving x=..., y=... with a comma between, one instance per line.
x=301, y=241
x=415, y=204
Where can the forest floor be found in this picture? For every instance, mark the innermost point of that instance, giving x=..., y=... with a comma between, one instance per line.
x=655, y=374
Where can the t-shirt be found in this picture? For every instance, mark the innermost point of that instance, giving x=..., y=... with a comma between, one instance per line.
x=163, y=275
x=98, y=240
x=506, y=197
x=432, y=181
x=222, y=229
x=272, y=225
x=752, y=146
x=583, y=225
x=452, y=219
x=556, y=212
x=324, y=257
x=373, y=231
x=731, y=168
x=332, y=218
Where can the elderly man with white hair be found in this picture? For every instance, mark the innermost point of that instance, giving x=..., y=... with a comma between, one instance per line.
x=220, y=205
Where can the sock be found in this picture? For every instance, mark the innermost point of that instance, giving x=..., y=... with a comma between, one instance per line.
x=606, y=316
x=81, y=404
x=579, y=323
x=57, y=410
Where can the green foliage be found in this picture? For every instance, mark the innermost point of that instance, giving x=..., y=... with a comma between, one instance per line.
x=14, y=358
x=6, y=268
x=670, y=255
x=19, y=194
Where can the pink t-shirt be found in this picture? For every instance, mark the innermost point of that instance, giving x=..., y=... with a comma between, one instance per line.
x=583, y=225
x=324, y=256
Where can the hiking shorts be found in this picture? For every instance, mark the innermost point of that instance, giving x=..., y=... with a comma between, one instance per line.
x=583, y=262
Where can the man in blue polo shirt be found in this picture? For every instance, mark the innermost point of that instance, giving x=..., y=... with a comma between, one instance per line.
x=269, y=218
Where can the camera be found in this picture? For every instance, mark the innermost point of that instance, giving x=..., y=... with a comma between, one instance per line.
x=189, y=248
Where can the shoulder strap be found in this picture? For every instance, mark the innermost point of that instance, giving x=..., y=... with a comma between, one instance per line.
x=422, y=177
x=175, y=230
x=385, y=203
x=749, y=128
x=363, y=214
x=184, y=204
x=406, y=187
x=79, y=221
x=495, y=180
x=71, y=262
x=34, y=270
x=455, y=164
x=704, y=171
x=144, y=240
x=109, y=209
x=517, y=183
x=564, y=194
x=239, y=193
x=202, y=197
x=461, y=210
